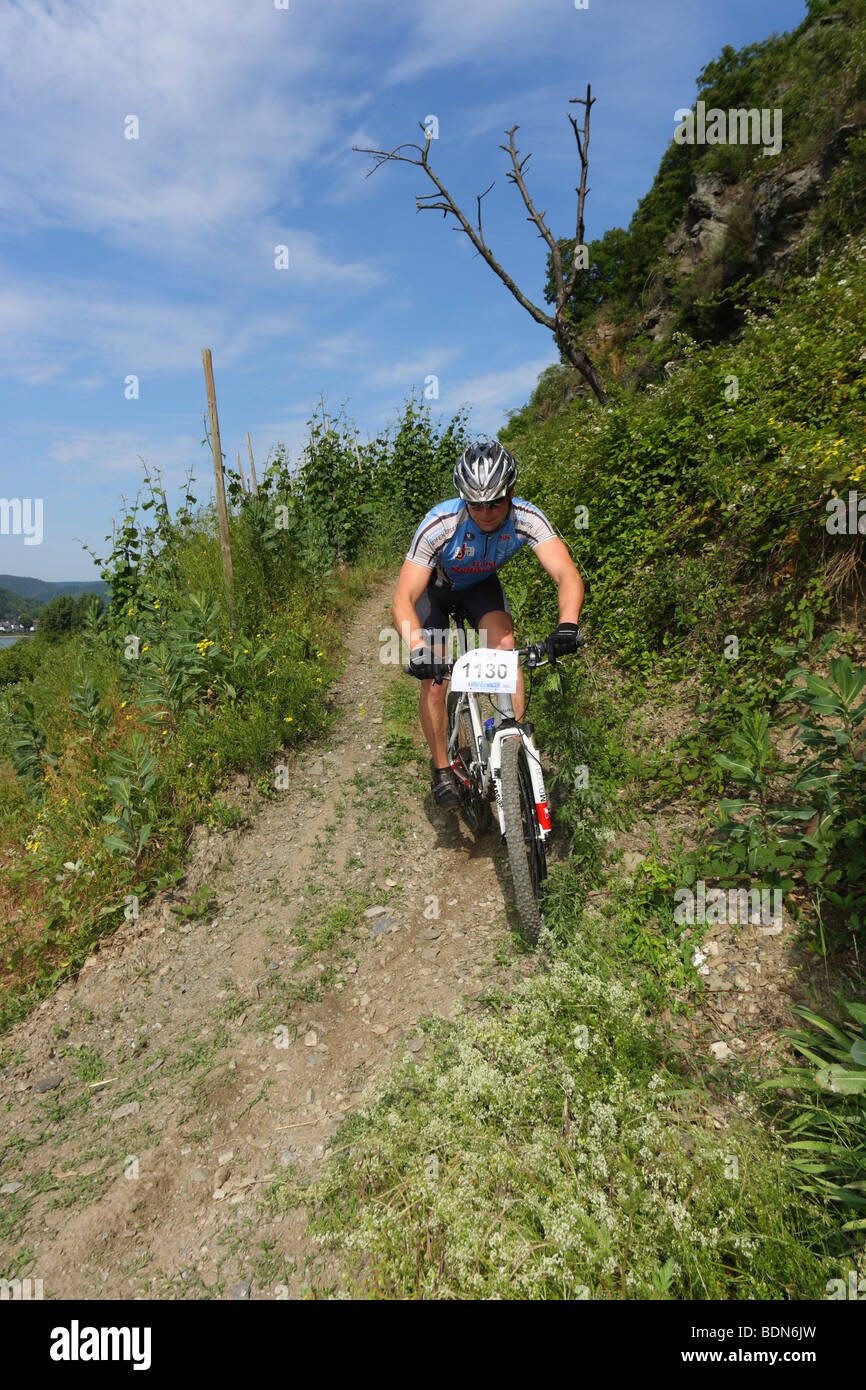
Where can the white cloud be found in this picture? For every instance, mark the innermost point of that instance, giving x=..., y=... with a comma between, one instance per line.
x=82, y=455
x=346, y=348
x=56, y=330
x=515, y=108
x=477, y=33
x=407, y=372
x=230, y=106
x=348, y=170
x=491, y=394
x=487, y=397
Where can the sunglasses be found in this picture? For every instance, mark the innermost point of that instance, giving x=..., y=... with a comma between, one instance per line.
x=491, y=506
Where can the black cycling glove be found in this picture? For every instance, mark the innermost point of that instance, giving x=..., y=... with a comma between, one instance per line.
x=425, y=666
x=563, y=640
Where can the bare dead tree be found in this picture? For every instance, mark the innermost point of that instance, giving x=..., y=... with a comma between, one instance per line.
x=442, y=201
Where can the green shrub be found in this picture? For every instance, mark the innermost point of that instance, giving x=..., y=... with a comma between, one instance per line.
x=805, y=819
x=826, y=1123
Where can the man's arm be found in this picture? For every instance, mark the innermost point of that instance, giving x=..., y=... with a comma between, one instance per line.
x=412, y=582
x=553, y=556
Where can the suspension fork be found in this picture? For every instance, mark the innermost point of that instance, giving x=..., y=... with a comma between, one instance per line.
x=536, y=777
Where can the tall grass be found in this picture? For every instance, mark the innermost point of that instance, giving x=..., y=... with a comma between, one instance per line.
x=115, y=740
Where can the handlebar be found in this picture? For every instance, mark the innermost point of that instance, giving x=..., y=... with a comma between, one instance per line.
x=529, y=656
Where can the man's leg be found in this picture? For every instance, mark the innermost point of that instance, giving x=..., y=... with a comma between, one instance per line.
x=433, y=619
x=497, y=630
x=432, y=704
x=434, y=721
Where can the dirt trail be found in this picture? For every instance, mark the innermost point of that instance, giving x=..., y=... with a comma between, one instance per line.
x=151, y=1103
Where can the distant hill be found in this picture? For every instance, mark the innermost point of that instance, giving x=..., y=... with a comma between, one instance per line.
x=13, y=604
x=18, y=593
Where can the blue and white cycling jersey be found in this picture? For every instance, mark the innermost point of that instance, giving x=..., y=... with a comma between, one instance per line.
x=449, y=541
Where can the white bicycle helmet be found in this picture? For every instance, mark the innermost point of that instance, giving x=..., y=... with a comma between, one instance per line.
x=484, y=471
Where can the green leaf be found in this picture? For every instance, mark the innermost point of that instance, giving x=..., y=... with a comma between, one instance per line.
x=114, y=844
x=812, y=1056
x=841, y=1081
x=824, y=1026
x=741, y=771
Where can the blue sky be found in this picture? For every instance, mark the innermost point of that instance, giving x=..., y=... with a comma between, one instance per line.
x=122, y=257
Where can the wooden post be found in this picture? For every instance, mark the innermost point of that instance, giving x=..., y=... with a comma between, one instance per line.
x=241, y=471
x=252, y=467
x=225, y=542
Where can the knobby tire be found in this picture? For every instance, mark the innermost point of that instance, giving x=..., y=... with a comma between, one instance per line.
x=526, y=852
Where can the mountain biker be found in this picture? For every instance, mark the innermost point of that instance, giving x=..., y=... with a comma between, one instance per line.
x=453, y=561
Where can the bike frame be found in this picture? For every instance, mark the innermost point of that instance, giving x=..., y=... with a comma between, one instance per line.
x=487, y=763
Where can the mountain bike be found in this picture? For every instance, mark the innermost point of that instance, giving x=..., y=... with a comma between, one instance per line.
x=497, y=760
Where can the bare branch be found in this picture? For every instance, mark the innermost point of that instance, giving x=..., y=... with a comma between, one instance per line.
x=442, y=201
x=581, y=190
x=516, y=176
x=478, y=200
x=383, y=155
x=422, y=205
x=447, y=205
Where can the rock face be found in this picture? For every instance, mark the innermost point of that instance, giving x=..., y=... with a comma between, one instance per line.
x=769, y=213
x=782, y=202
x=776, y=206
x=706, y=224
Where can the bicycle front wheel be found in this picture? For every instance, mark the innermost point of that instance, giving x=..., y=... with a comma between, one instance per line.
x=526, y=853
x=475, y=812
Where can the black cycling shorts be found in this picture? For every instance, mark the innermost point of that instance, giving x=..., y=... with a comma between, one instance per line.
x=437, y=602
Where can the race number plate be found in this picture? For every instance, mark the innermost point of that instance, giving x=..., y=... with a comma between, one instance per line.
x=486, y=669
